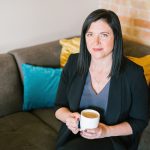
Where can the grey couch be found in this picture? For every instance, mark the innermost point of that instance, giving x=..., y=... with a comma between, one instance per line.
x=37, y=129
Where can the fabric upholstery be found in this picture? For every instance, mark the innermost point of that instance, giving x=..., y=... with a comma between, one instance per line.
x=69, y=46
x=144, y=141
x=10, y=86
x=41, y=55
x=48, y=117
x=40, y=86
x=24, y=131
x=145, y=63
x=135, y=49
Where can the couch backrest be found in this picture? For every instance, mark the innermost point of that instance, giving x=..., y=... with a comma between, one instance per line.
x=47, y=55
x=10, y=86
x=135, y=49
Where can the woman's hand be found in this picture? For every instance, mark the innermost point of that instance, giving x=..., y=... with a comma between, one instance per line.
x=100, y=132
x=72, y=122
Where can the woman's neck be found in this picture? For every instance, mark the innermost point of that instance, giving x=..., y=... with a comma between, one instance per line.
x=99, y=65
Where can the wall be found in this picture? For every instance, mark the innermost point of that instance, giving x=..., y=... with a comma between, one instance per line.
x=29, y=22
x=134, y=16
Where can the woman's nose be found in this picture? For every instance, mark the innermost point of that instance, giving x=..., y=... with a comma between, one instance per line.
x=97, y=40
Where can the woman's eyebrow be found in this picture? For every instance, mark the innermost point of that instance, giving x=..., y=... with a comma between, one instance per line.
x=99, y=32
x=105, y=32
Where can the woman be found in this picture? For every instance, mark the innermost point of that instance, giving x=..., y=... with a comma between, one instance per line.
x=101, y=78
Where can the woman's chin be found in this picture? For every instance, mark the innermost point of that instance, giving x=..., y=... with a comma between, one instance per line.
x=98, y=56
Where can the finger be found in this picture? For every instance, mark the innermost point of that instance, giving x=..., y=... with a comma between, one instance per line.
x=73, y=125
x=76, y=115
x=87, y=136
x=72, y=122
x=68, y=123
x=87, y=133
x=92, y=131
x=75, y=131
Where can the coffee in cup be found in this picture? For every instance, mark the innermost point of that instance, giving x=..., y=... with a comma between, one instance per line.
x=89, y=119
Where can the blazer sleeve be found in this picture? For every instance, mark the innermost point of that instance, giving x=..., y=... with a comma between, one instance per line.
x=61, y=97
x=138, y=117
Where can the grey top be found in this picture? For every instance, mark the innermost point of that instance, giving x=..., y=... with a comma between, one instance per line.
x=90, y=99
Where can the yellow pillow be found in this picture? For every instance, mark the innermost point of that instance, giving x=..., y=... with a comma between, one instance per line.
x=69, y=46
x=145, y=63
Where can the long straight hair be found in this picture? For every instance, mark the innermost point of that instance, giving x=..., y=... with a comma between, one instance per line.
x=84, y=58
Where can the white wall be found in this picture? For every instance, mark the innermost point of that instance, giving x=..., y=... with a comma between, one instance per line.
x=29, y=22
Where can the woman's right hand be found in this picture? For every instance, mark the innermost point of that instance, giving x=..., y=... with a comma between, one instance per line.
x=72, y=122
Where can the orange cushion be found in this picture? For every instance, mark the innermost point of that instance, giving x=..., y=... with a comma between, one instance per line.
x=145, y=63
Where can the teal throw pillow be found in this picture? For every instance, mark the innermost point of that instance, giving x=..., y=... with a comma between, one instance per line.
x=40, y=86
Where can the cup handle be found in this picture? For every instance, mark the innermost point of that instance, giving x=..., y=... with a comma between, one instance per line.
x=79, y=123
x=79, y=126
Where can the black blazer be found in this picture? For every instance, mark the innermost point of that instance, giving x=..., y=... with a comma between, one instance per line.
x=127, y=101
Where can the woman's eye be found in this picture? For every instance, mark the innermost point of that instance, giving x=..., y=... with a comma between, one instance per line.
x=89, y=34
x=104, y=35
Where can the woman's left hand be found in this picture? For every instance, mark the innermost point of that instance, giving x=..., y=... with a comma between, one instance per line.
x=100, y=132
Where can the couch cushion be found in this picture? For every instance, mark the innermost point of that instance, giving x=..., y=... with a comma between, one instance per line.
x=48, y=116
x=41, y=55
x=145, y=63
x=40, y=86
x=144, y=142
x=10, y=86
x=69, y=46
x=24, y=131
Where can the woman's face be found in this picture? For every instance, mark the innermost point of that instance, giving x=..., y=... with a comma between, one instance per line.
x=100, y=39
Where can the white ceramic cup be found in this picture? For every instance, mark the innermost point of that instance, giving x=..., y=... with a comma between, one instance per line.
x=88, y=121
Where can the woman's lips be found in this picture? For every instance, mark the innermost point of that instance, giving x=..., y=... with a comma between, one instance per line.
x=97, y=49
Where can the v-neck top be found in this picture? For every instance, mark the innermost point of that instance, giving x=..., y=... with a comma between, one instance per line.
x=90, y=99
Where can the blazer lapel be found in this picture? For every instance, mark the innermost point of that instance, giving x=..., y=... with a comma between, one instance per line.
x=75, y=91
x=114, y=101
